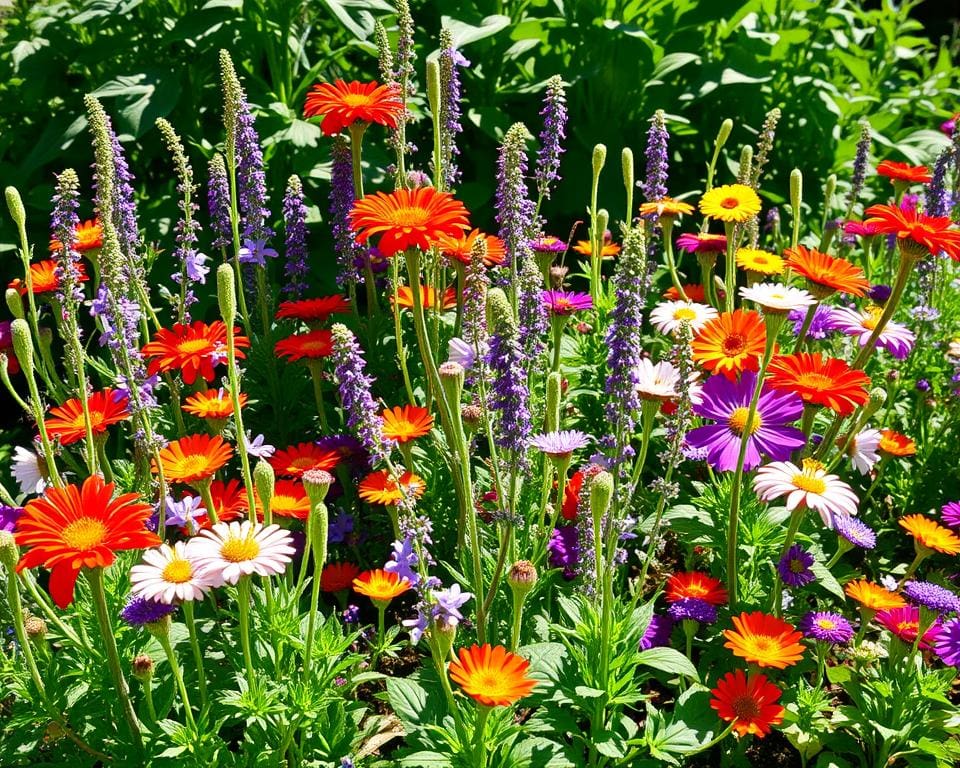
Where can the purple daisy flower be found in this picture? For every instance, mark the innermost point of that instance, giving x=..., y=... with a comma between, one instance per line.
x=139, y=612
x=547, y=244
x=826, y=627
x=564, y=549
x=879, y=293
x=932, y=596
x=657, y=633
x=690, y=608
x=947, y=642
x=566, y=302
x=449, y=601
x=9, y=517
x=727, y=402
x=896, y=338
x=794, y=567
x=950, y=514
x=821, y=325
x=855, y=531
x=562, y=444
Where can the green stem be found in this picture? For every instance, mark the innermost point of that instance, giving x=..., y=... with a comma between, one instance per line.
x=105, y=468
x=381, y=633
x=730, y=266
x=807, y=321
x=316, y=373
x=178, y=679
x=667, y=224
x=907, y=262
x=234, y=380
x=148, y=697
x=648, y=413
x=197, y=654
x=479, y=732
x=398, y=330
x=243, y=604
x=795, y=519
x=204, y=487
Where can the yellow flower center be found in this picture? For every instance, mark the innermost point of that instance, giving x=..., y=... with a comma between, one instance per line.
x=356, y=99
x=738, y=421
x=409, y=217
x=873, y=319
x=808, y=480
x=193, y=465
x=685, y=314
x=815, y=381
x=84, y=534
x=826, y=624
x=193, y=346
x=236, y=550
x=177, y=571
x=734, y=344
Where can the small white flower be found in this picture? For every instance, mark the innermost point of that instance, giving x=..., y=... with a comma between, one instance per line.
x=26, y=471
x=657, y=382
x=863, y=450
x=168, y=574
x=230, y=550
x=257, y=447
x=777, y=298
x=810, y=486
x=889, y=583
x=668, y=316
x=459, y=351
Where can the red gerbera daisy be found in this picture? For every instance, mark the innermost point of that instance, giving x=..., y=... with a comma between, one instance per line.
x=428, y=297
x=460, y=248
x=306, y=346
x=297, y=459
x=694, y=584
x=43, y=278
x=342, y=104
x=750, y=703
x=830, y=382
x=914, y=174
x=695, y=292
x=191, y=349
x=338, y=576
x=380, y=488
x=87, y=236
x=408, y=218
x=105, y=408
x=316, y=310
x=914, y=230
x=229, y=502
x=571, y=495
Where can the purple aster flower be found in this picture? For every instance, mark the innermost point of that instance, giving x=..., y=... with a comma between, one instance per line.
x=515, y=211
x=950, y=514
x=404, y=561
x=654, y=186
x=561, y=444
x=897, y=339
x=295, y=239
x=182, y=513
x=820, y=326
x=932, y=596
x=727, y=403
x=138, y=612
x=657, y=633
x=342, y=198
x=509, y=392
x=547, y=245
x=218, y=202
x=354, y=386
x=564, y=550
x=794, y=567
x=9, y=517
x=554, y=114
x=256, y=252
x=879, y=293
x=446, y=610
x=339, y=527
x=826, y=627
x=566, y=302
x=947, y=642
x=854, y=530
x=693, y=609
x=258, y=447
x=351, y=614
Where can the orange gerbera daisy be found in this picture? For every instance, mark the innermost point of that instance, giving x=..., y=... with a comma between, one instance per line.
x=316, y=310
x=313, y=345
x=826, y=274
x=460, y=248
x=830, y=382
x=931, y=535
x=193, y=458
x=191, y=349
x=609, y=248
x=43, y=277
x=915, y=231
x=731, y=342
x=406, y=423
x=229, y=502
x=86, y=236
x=428, y=297
x=492, y=676
x=212, y=404
x=408, y=218
x=297, y=459
x=872, y=596
x=379, y=488
x=893, y=443
x=290, y=500
x=338, y=576
x=730, y=203
x=750, y=703
x=695, y=584
x=764, y=640
x=78, y=527
x=915, y=174
x=665, y=207
x=342, y=104
x=694, y=291
x=106, y=407
x=380, y=586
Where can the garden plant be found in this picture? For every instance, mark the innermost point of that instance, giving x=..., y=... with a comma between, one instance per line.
x=475, y=483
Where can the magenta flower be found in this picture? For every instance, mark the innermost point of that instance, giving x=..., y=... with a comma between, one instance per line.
x=702, y=243
x=727, y=403
x=950, y=514
x=566, y=302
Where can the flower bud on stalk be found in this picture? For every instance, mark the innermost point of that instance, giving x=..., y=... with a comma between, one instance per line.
x=554, y=391
x=265, y=481
x=15, y=204
x=521, y=578
x=142, y=668
x=226, y=294
x=14, y=302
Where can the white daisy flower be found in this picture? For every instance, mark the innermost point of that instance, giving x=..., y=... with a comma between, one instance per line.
x=777, y=298
x=810, y=486
x=863, y=450
x=26, y=471
x=668, y=316
x=657, y=382
x=168, y=575
x=230, y=550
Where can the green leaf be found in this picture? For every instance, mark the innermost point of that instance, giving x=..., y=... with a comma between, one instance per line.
x=586, y=692
x=545, y=659
x=425, y=759
x=411, y=703
x=827, y=580
x=464, y=33
x=141, y=98
x=671, y=63
x=668, y=660
x=733, y=77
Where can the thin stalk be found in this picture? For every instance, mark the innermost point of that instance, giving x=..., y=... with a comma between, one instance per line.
x=398, y=329
x=479, y=732
x=178, y=679
x=730, y=266
x=807, y=321
x=243, y=603
x=197, y=654
x=666, y=223
x=238, y=416
x=316, y=374
x=381, y=632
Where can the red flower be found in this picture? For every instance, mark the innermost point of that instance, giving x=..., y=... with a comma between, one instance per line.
x=916, y=230
x=459, y=248
x=697, y=585
x=915, y=174
x=316, y=310
x=408, y=218
x=342, y=104
x=750, y=703
x=297, y=459
x=338, y=576
x=830, y=382
x=571, y=496
x=43, y=278
x=428, y=297
x=105, y=408
x=306, y=346
x=191, y=349
x=87, y=236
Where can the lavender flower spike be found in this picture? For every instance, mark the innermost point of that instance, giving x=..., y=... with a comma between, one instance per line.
x=936, y=198
x=450, y=112
x=554, y=114
x=218, y=202
x=63, y=224
x=342, y=198
x=654, y=186
x=509, y=392
x=295, y=239
x=515, y=211
x=859, y=165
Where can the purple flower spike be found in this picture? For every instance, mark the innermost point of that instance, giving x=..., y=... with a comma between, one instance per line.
x=295, y=239
x=564, y=549
x=947, y=643
x=554, y=114
x=139, y=612
x=655, y=184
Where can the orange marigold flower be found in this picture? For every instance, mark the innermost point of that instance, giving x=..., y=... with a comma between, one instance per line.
x=764, y=640
x=872, y=596
x=428, y=297
x=730, y=203
x=43, y=278
x=342, y=104
x=191, y=349
x=609, y=248
x=893, y=443
x=106, y=407
x=338, y=576
x=915, y=174
x=193, y=458
x=823, y=271
x=830, y=382
x=750, y=703
x=212, y=404
x=695, y=584
x=289, y=500
x=379, y=585
x=78, y=527
x=408, y=218
x=297, y=459
x=930, y=534
x=914, y=230
x=313, y=345
x=665, y=207
x=492, y=676
x=316, y=310
x=379, y=488
x=87, y=236
x=694, y=291
x=731, y=343
x=406, y=423
x=459, y=248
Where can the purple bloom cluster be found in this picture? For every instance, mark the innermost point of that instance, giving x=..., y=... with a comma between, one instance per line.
x=826, y=627
x=936, y=197
x=821, y=325
x=657, y=633
x=339, y=527
x=879, y=293
x=794, y=567
x=654, y=186
x=564, y=550
x=515, y=210
x=342, y=198
x=531, y=311
x=947, y=642
x=860, y=164
x=509, y=392
x=929, y=595
x=854, y=530
x=138, y=611
x=693, y=609
x=252, y=191
x=218, y=202
x=125, y=210
x=295, y=239
x=63, y=223
x=554, y=114
x=404, y=561
x=9, y=517
x=450, y=114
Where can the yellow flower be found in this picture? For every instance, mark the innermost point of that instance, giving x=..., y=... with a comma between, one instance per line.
x=761, y=262
x=730, y=203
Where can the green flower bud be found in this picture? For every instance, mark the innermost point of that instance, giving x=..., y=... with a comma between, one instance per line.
x=626, y=164
x=316, y=482
x=142, y=668
x=14, y=302
x=499, y=311
x=830, y=188
x=603, y=220
x=226, y=294
x=522, y=577
x=746, y=165
x=9, y=554
x=451, y=379
x=796, y=190
x=265, y=482
x=726, y=127
x=601, y=492
x=15, y=204
x=22, y=345
x=160, y=627
x=554, y=390
x=599, y=159
x=433, y=87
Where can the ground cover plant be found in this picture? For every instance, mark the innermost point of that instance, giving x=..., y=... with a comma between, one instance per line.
x=680, y=491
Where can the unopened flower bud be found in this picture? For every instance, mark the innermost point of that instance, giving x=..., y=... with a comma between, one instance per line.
x=451, y=379
x=796, y=191
x=14, y=302
x=878, y=397
x=433, y=86
x=726, y=127
x=316, y=482
x=15, y=204
x=601, y=491
x=599, y=159
x=36, y=628
x=746, y=164
x=264, y=480
x=142, y=668
x=472, y=416
x=554, y=382
x=226, y=294
x=626, y=165
x=522, y=577
x=603, y=219
x=9, y=554
x=499, y=311
x=831, y=187
x=22, y=345
x=557, y=276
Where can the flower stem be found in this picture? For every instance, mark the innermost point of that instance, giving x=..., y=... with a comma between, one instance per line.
x=317, y=375
x=197, y=655
x=907, y=262
x=243, y=604
x=178, y=679
x=479, y=731
x=398, y=330
x=234, y=379
x=730, y=266
x=381, y=633
x=807, y=322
